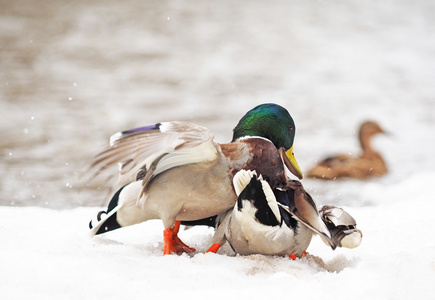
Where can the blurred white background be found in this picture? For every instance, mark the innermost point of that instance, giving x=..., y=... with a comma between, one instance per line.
x=74, y=72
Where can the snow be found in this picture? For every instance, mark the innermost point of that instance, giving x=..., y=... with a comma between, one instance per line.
x=49, y=254
x=74, y=73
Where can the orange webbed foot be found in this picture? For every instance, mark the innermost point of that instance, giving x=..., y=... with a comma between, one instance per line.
x=293, y=256
x=214, y=248
x=168, y=240
x=173, y=242
x=181, y=247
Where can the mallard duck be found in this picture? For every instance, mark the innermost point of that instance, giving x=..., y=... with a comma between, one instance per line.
x=174, y=171
x=369, y=163
x=280, y=222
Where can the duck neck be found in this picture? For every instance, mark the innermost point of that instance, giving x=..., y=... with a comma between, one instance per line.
x=365, y=141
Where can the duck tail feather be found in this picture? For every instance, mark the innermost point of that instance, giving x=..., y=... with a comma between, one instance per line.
x=242, y=179
x=106, y=220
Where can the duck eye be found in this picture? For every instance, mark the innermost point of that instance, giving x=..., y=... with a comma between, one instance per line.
x=290, y=128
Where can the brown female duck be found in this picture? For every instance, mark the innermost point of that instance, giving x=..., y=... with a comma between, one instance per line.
x=369, y=163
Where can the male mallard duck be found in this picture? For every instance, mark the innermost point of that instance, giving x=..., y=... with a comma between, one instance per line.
x=180, y=174
x=280, y=222
x=369, y=163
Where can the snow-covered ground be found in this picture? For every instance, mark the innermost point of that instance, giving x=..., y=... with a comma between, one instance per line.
x=46, y=253
x=73, y=73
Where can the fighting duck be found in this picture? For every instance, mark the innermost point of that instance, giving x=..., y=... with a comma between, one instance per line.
x=175, y=172
x=280, y=222
x=369, y=163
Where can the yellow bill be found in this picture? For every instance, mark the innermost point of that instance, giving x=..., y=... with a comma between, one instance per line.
x=290, y=162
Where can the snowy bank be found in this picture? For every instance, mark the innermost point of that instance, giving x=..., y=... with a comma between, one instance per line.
x=47, y=254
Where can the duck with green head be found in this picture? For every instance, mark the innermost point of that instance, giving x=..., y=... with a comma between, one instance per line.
x=175, y=172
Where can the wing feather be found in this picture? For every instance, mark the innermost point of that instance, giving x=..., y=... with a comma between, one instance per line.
x=154, y=149
x=301, y=206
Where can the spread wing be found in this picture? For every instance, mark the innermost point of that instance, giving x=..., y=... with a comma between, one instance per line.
x=143, y=153
x=296, y=201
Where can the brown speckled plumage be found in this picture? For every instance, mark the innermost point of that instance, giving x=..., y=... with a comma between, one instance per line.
x=369, y=163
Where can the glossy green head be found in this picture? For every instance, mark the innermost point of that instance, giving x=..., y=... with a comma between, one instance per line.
x=270, y=121
x=274, y=123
